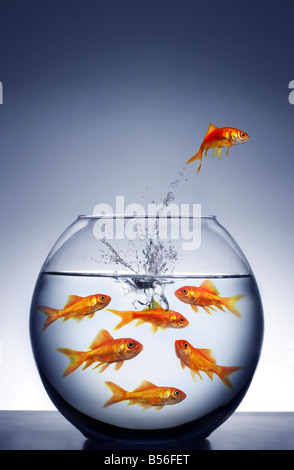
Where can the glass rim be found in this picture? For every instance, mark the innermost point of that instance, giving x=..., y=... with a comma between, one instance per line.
x=144, y=216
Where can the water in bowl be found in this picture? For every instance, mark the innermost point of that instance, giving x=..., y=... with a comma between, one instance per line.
x=233, y=341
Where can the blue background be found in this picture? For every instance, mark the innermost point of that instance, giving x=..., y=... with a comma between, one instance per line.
x=106, y=98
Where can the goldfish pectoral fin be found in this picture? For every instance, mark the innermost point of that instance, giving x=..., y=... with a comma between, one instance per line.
x=183, y=365
x=118, y=365
x=214, y=152
x=227, y=152
x=154, y=329
x=195, y=308
x=219, y=153
x=158, y=407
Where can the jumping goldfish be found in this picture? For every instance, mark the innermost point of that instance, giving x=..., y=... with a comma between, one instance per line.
x=202, y=360
x=76, y=308
x=105, y=350
x=207, y=296
x=146, y=395
x=217, y=138
x=154, y=314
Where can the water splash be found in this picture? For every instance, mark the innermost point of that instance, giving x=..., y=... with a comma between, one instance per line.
x=158, y=258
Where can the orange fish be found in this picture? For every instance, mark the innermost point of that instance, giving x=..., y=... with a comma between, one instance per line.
x=202, y=360
x=146, y=395
x=207, y=296
x=76, y=308
x=105, y=350
x=217, y=138
x=154, y=314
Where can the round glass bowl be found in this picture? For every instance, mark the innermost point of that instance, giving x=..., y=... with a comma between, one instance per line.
x=160, y=313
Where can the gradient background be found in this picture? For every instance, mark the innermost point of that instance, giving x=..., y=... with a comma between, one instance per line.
x=106, y=98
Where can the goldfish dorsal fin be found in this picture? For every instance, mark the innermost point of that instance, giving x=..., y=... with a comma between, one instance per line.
x=210, y=129
x=209, y=286
x=72, y=299
x=145, y=385
x=153, y=305
x=207, y=353
x=101, y=337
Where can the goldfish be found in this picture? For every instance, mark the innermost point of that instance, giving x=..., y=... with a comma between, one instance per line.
x=207, y=296
x=154, y=314
x=218, y=138
x=76, y=308
x=105, y=350
x=202, y=360
x=146, y=395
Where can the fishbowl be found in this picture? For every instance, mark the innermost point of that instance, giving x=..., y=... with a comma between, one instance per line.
x=146, y=328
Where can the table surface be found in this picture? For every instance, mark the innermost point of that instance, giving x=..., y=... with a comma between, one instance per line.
x=49, y=430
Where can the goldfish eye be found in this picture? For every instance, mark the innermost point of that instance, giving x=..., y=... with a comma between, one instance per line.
x=182, y=320
x=185, y=345
x=242, y=134
x=177, y=393
x=102, y=297
x=131, y=344
x=184, y=291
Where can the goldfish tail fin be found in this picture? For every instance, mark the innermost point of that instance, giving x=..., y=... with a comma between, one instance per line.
x=197, y=156
x=76, y=359
x=52, y=315
x=230, y=304
x=126, y=317
x=119, y=394
x=225, y=373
